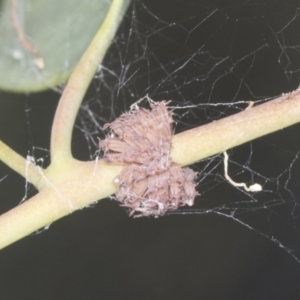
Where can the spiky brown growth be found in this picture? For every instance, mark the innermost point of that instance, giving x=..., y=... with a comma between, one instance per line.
x=152, y=183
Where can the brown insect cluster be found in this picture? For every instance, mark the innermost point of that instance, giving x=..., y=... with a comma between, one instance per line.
x=152, y=183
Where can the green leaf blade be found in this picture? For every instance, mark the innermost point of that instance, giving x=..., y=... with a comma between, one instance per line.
x=61, y=31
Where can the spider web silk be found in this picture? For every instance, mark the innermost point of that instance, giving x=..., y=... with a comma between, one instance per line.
x=210, y=64
x=210, y=59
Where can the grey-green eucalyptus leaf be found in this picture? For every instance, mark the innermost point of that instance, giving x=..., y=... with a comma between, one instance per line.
x=60, y=30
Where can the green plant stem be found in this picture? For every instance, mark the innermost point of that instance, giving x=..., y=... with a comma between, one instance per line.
x=81, y=184
x=68, y=185
x=20, y=165
x=78, y=184
x=78, y=83
x=204, y=141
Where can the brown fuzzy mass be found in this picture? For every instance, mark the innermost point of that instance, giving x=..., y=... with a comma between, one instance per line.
x=151, y=184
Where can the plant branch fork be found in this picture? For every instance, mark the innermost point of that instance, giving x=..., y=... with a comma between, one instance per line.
x=67, y=184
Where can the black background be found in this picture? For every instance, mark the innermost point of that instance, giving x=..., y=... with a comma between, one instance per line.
x=101, y=253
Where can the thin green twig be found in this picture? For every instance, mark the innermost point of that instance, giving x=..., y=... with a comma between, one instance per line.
x=22, y=166
x=78, y=83
x=204, y=141
x=78, y=184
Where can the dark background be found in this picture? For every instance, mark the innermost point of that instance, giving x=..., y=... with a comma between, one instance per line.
x=193, y=52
